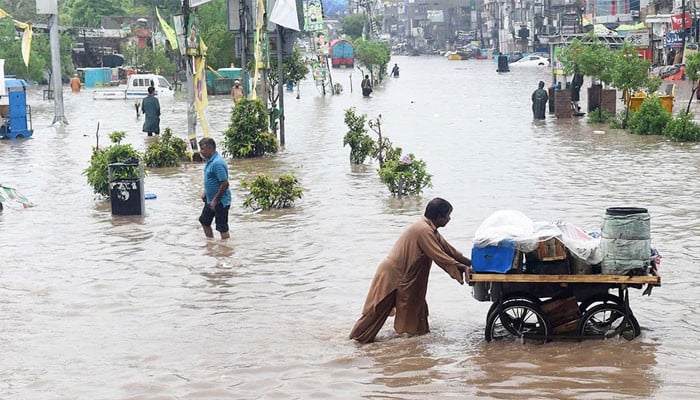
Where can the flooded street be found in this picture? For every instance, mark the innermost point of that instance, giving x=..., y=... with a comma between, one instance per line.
x=100, y=307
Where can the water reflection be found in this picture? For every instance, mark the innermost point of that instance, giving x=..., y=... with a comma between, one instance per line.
x=592, y=370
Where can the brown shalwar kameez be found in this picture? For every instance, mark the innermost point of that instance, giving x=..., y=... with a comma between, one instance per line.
x=401, y=281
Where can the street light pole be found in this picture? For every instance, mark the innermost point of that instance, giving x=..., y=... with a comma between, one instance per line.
x=280, y=81
x=59, y=115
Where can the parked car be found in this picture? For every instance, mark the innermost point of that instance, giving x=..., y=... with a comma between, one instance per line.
x=532, y=60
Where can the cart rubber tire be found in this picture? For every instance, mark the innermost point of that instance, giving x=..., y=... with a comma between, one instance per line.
x=600, y=298
x=512, y=297
x=518, y=319
x=605, y=320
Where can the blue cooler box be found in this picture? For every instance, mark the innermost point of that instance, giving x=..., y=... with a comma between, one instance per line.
x=498, y=259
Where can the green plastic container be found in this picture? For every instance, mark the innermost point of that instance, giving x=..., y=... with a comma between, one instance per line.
x=626, y=241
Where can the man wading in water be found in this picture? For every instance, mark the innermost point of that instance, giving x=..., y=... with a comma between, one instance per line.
x=401, y=280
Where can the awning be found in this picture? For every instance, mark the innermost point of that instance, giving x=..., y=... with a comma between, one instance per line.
x=631, y=27
x=658, y=19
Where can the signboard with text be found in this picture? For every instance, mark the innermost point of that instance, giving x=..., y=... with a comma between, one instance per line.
x=639, y=38
x=677, y=21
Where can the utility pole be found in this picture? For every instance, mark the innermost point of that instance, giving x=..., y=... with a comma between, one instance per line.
x=682, y=29
x=59, y=115
x=280, y=81
x=189, y=61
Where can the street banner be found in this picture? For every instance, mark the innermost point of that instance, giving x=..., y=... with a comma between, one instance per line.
x=2, y=78
x=195, y=3
x=674, y=39
x=168, y=31
x=193, y=35
x=26, y=40
x=313, y=15
x=284, y=13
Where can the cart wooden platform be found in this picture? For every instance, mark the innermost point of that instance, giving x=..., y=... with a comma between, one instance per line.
x=540, y=307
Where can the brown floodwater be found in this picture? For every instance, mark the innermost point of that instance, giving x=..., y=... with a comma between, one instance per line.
x=100, y=307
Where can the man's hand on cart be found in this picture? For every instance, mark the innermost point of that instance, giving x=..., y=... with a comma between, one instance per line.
x=463, y=273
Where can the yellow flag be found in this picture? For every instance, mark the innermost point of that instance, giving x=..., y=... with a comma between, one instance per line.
x=3, y=13
x=168, y=31
x=26, y=41
x=200, y=84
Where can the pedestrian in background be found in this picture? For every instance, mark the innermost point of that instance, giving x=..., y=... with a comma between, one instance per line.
x=539, y=101
x=236, y=91
x=75, y=84
x=150, y=106
x=216, y=195
x=366, y=86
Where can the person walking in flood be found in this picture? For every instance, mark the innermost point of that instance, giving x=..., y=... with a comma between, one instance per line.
x=75, y=84
x=576, y=84
x=395, y=71
x=216, y=195
x=401, y=280
x=236, y=91
x=150, y=106
x=366, y=86
x=539, y=101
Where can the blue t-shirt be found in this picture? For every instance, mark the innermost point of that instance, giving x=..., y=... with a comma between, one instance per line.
x=216, y=171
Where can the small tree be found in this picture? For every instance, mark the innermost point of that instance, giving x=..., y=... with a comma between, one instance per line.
x=592, y=57
x=165, y=151
x=352, y=25
x=629, y=73
x=373, y=54
x=692, y=71
x=248, y=134
x=402, y=175
x=361, y=144
x=405, y=176
x=265, y=193
x=294, y=69
x=98, y=171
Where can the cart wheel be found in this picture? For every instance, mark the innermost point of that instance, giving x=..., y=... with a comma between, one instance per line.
x=606, y=320
x=524, y=296
x=518, y=319
x=605, y=298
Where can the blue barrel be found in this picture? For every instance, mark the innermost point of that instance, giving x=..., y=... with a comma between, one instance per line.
x=625, y=241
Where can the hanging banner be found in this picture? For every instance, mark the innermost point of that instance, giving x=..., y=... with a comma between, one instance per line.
x=313, y=15
x=26, y=41
x=195, y=3
x=193, y=36
x=674, y=39
x=2, y=78
x=677, y=21
x=168, y=31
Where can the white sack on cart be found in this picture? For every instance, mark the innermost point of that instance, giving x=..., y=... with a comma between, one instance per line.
x=513, y=225
x=580, y=243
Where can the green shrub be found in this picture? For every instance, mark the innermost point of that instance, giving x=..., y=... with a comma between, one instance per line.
x=598, y=116
x=361, y=144
x=618, y=121
x=248, y=134
x=98, y=171
x=682, y=128
x=165, y=151
x=650, y=119
x=265, y=193
x=405, y=176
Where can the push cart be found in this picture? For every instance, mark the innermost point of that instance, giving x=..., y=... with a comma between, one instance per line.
x=539, y=307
